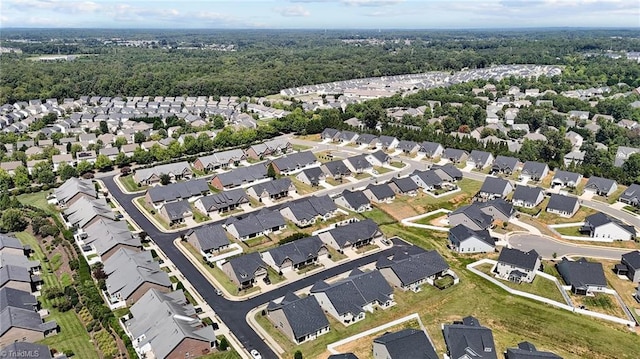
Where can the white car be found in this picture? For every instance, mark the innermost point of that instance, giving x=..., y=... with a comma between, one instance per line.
x=255, y=354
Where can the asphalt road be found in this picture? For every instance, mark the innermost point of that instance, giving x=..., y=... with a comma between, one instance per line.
x=546, y=247
x=232, y=313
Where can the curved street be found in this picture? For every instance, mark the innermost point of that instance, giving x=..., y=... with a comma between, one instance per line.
x=546, y=247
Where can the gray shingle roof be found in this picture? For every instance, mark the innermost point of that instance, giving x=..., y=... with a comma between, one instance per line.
x=106, y=234
x=10, y=297
x=526, y=194
x=84, y=210
x=562, y=203
x=354, y=292
x=355, y=199
x=405, y=184
x=17, y=260
x=297, y=251
x=407, y=344
x=11, y=317
x=178, y=190
x=631, y=194
x=632, y=259
x=454, y=154
x=451, y=171
x=581, y=273
x=598, y=219
x=429, y=148
x=474, y=213
x=354, y=232
x=10, y=242
x=526, y=350
x=245, y=266
x=337, y=168
x=272, y=188
x=469, y=339
x=494, y=185
x=381, y=191
x=365, y=138
x=518, y=258
x=210, y=237
x=566, y=177
x=176, y=210
x=534, y=169
x=311, y=207
x=386, y=141
x=380, y=156
x=460, y=233
x=241, y=175
x=14, y=273
x=505, y=164
x=479, y=157
x=256, y=222
x=177, y=168
x=224, y=199
x=35, y=351
x=359, y=162
x=128, y=270
x=411, y=268
x=73, y=186
x=295, y=161
x=305, y=316
x=601, y=185
x=314, y=174
x=343, y=356
x=504, y=207
x=164, y=320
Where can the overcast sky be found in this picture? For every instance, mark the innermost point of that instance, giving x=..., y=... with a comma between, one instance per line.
x=320, y=14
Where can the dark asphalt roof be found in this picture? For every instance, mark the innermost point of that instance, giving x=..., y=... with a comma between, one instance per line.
x=10, y=297
x=450, y=170
x=429, y=177
x=356, y=199
x=469, y=339
x=518, y=258
x=526, y=350
x=454, y=154
x=305, y=316
x=599, y=219
x=566, y=176
x=494, y=185
x=460, y=233
x=295, y=160
x=499, y=204
x=414, y=267
x=241, y=175
x=405, y=184
x=380, y=156
x=562, y=203
x=359, y=162
x=429, y=148
x=600, y=184
x=407, y=344
x=581, y=273
x=313, y=174
x=534, y=169
x=210, y=237
x=224, y=199
x=381, y=191
x=274, y=187
x=176, y=210
x=505, y=163
x=343, y=356
x=246, y=265
x=632, y=193
x=337, y=168
x=479, y=157
x=632, y=259
x=297, y=251
x=526, y=194
x=178, y=190
x=256, y=222
x=354, y=232
x=474, y=213
x=366, y=138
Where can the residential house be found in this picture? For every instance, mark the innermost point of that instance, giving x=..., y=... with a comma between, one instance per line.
x=219, y=160
x=105, y=237
x=12, y=246
x=448, y=172
x=367, y=140
x=130, y=275
x=241, y=176
x=358, y=164
x=300, y=319
x=462, y=239
x=583, y=276
x=208, y=240
x=403, y=186
x=84, y=212
x=335, y=170
x=329, y=134
x=25, y=347
x=455, y=155
x=494, y=187
x=296, y=255
x=470, y=216
x=498, y=209
x=222, y=202
x=573, y=157
x=73, y=189
x=346, y=136
x=601, y=186
x=355, y=201
x=631, y=195
x=348, y=299
x=404, y=344
x=89, y=156
x=378, y=158
x=527, y=197
x=20, y=324
x=379, y=193
x=304, y=211
x=166, y=325
x=272, y=190
x=150, y=176
x=176, y=212
x=526, y=350
x=409, y=267
x=388, y=142
x=468, y=339
x=255, y=224
x=311, y=176
x=427, y=180
x=245, y=270
x=352, y=235
x=268, y=148
x=579, y=115
x=129, y=149
x=11, y=166
x=623, y=153
x=32, y=164
x=20, y=278
x=408, y=147
x=430, y=149
x=480, y=159
x=631, y=265
x=293, y=162
x=602, y=227
x=534, y=171
x=566, y=179
x=505, y=165
x=575, y=139
x=57, y=160
x=160, y=195
x=518, y=266
x=563, y=206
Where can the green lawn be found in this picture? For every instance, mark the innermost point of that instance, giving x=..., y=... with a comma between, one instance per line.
x=396, y=164
x=381, y=170
x=154, y=213
x=73, y=335
x=300, y=147
x=130, y=185
x=304, y=188
x=361, y=176
x=540, y=286
x=198, y=216
x=513, y=319
x=428, y=219
x=38, y=199
x=378, y=216
x=570, y=231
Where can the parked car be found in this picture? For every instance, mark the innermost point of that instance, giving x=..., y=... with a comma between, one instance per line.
x=218, y=291
x=255, y=354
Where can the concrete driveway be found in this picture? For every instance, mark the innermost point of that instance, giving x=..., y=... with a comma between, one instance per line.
x=546, y=247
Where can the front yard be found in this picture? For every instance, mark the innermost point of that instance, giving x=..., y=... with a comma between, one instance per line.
x=129, y=184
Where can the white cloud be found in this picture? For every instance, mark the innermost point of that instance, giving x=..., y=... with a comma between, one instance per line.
x=293, y=11
x=371, y=3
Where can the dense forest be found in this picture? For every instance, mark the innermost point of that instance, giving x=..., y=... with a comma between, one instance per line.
x=266, y=62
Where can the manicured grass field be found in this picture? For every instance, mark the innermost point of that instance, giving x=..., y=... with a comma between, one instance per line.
x=570, y=231
x=130, y=185
x=38, y=199
x=73, y=335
